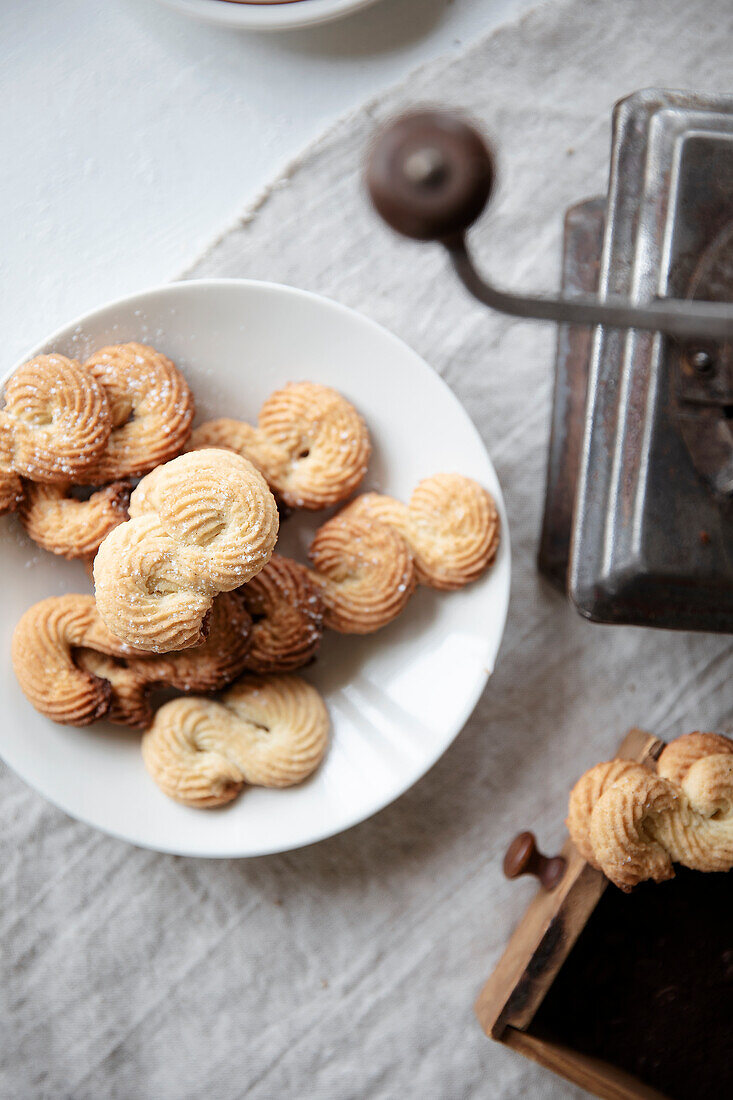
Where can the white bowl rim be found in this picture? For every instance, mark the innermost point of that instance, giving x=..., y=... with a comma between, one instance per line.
x=267, y=17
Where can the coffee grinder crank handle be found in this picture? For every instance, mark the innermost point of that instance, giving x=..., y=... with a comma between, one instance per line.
x=430, y=175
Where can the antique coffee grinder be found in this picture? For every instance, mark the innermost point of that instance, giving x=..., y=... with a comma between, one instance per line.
x=638, y=519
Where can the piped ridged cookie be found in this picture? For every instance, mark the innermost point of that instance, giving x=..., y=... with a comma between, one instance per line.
x=204, y=523
x=584, y=796
x=42, y=654
x=63, y=524
x=269, y=731
x=451, y=526
x=634, y=822
x=125, y=411
x=364, y=571
x=287, y=617
x=55, y=423
x=310, y=444
x=73, y=671
x=151, y=409
x=211, y=666
x=11, y=491
x=368, y=559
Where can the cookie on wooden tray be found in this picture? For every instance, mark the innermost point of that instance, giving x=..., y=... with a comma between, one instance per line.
x=311, y=444
x=585, y=795
x=54, y=425
x=74, y=528
x=202, y=524
x=634, y=822
x=269, y=731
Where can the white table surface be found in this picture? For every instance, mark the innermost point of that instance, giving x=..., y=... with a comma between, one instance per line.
x=131, y=135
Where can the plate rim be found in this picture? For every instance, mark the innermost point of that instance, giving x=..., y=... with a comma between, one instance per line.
x=267, y=17
x=489, y=656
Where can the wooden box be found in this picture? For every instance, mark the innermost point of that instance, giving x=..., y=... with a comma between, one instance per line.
x=627, y=995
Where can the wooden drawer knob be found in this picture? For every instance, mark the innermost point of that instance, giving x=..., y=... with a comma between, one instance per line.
x=524, y=858
x=429, y=175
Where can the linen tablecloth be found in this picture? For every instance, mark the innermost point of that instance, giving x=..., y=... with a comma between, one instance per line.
x=349, y=969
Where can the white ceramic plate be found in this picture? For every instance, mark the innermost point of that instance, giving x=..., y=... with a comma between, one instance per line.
x=396, y=698
x=268, y=16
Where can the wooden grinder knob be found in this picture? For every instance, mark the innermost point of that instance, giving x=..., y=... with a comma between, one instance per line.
x=524, y=858
x=429, y=175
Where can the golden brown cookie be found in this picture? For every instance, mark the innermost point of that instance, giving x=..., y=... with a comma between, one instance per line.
x=42, y=658
x=203, y=523
x=625, y=850
x=65, y=525
x=451, y=526
x=287, y=616
x=644, y=821
x=364, y=571
x=585, y=795
x=310, y=444
x=368, y=559
x=269, y=731
x=209, y=667
x=11, y=491
x=56, y=420
x=74, y=671
x=679, y=755
x=127, y=690
x=249, y=442
x=152, y=410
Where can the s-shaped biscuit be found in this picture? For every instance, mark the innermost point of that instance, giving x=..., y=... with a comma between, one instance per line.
x=634, y=823
x=268, y=731
x=203, y=523
x=42, y=653
x=368, y=558
x=451, y=525
x=287, y=616
x=310, y=444
x=151, y=407
x=211, y=666
x=54, y=425
x=74, y=528
x=73, y=671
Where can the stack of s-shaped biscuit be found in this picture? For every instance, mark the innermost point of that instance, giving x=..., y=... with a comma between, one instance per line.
x=634, y=821
x=189, y=595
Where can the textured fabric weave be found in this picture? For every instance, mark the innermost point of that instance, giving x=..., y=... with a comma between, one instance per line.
x=348, y=970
